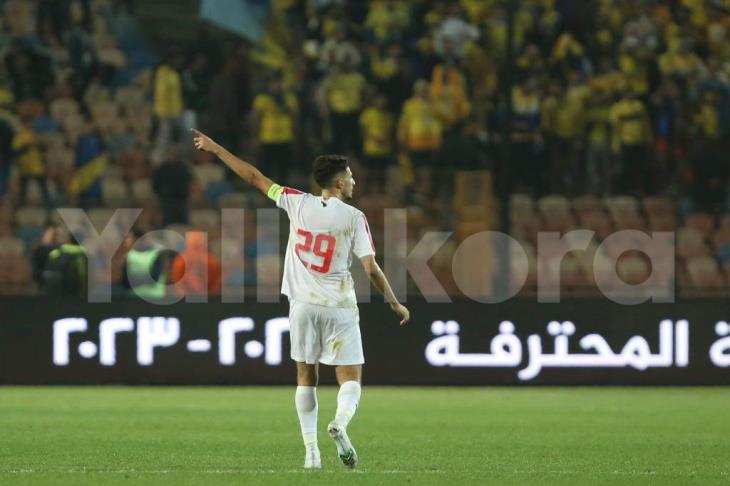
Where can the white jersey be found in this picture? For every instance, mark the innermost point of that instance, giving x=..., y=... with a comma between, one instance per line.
x=323, y=236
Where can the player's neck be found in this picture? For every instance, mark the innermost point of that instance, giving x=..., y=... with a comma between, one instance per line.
x=327, y=193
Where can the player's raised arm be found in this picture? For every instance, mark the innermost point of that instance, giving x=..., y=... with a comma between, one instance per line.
x=380, y=281
x=245, y=171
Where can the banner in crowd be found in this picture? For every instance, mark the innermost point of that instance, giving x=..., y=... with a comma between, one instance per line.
x=582, y=342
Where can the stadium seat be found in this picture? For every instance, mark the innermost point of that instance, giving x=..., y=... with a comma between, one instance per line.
x=587, y=203
x=20, y=275
x=662, y=222
x=616, y=245
x=556, y=213
x=572, y=273
x=721, y=236
x=29, y=108
x=554, y=204
x=233, y=200
x=633, y=269
x=11, y=247
x=96, y=93
x=31, y=216
x=100, y=217
x=522, y=210
x=114, y=192
x=142, y=192
x=522, y=204
x=517, y=265
x=702, y=222
x=180, y=229
x=624, y=210
x=691, y=243
x=703, y=272
x=133, y=164
x=64, y=108
x=205, y=219
x=52, y=140
x=268, y=270
x=130, y=98
x=473, y=195
x=623, y=203
x=60, y=162
x=112, y=56
x=660, y=213
x=104, y=109
x=208, y=173
x=20, y=17
x=73, y=126
x=653, y=205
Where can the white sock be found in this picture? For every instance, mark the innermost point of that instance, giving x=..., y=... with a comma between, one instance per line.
x=347, y=400
x=306, y=402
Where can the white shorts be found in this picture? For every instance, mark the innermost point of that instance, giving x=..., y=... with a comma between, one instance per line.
x=327, y=335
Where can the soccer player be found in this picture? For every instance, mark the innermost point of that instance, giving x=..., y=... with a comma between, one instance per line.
x=323, y=317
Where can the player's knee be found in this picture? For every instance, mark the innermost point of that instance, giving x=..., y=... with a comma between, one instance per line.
x=348, y=373
x=307, y=376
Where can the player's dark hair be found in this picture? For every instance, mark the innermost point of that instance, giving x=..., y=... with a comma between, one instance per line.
x=327, y=168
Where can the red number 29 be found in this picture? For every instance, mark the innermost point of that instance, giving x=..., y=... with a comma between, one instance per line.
x=324, y=247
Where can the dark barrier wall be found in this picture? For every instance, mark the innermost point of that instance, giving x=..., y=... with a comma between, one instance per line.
x=464, y=343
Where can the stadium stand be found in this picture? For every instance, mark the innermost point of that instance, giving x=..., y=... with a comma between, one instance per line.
x=617, y=124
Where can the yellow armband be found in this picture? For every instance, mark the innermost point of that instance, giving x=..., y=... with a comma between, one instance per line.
x=274, y=192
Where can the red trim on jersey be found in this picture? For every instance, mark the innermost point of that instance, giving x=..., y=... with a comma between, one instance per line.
x=289, y=190
x=367, y=228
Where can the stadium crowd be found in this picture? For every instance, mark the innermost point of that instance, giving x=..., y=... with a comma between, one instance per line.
x=620, y=118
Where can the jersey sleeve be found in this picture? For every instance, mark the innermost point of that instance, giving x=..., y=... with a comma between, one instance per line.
x=363, y=244
x=285, y=197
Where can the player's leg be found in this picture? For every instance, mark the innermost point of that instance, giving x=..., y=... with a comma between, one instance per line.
x=307, y=407
x=349, y=378
x=305, y=351
x=348, y=398
x=342, y=348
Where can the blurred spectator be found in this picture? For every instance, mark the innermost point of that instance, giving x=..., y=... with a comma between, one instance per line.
x=666, y=122
x=52, y=238
x=229, y=100
x=146, y=270
x=562, y=121
x=29, y=72
x=454, y=32
x=275, y=115
x=29, y=160
x=196, y=271
x=53, y=16
x=65, y=270
x=378, y=134
x=390, y=74
x=168, y=104
x=6, y=154
x=448, y=95
x=387, y=20
x=574, y=128
x=91, y=161
x=419, y=133
x=599, y=160
x=531, y=169
x=710, y=176
x=631, y=137
x=337, y=50
x=171, y=182
x=196, y=79
x=343, y=92
x=82, y=57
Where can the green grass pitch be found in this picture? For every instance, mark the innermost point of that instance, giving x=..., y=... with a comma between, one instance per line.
x=147, y=435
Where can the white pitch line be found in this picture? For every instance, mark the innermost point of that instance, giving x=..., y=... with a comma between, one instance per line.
x=214, y=471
